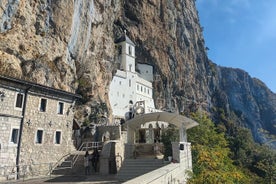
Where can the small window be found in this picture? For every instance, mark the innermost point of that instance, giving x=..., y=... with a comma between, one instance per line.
x=19, y=100
x=137, y=87
x=129, y=82
x=148, y=91
x=58, y=137
x=43, y=104
x=129, y=50
x=14, y=136
x=130, y=66
x=141, y=88
x=120, y=82
x=60, y=107
x=39, y=136
x=144, y=90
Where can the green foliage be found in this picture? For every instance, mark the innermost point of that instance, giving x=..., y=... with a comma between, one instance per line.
x=257, y=161
x=168, y=136
x=86, y=122
x=211, y=161
x=98, y=113
x=267, y=165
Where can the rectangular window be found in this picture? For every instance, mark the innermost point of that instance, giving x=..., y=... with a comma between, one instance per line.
x=137, y=87
x=57, y=137
x=129, y=50
x=14, y=136
x=19, y=100
x=39, y=136
x=43, y=103
x=60, y=107
x=129, y=82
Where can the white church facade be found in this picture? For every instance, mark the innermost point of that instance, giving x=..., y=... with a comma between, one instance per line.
x=131, y=90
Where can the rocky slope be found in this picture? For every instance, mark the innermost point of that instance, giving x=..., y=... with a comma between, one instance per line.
x=70, y=45
x=249, y=100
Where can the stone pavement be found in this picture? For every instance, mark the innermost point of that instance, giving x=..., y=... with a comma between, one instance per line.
x=80, y=179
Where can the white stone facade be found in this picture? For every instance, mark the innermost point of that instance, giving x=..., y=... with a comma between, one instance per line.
x=129, y=86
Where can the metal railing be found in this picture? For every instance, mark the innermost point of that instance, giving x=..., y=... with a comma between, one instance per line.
x=85, y=146
x=68, y=164
x=45, y=169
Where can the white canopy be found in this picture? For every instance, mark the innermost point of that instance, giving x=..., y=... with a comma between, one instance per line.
x=172, y=118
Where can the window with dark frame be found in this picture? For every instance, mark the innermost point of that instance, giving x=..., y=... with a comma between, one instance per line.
x=60, y=107
x=14, y=136
x=19, y=100
x=58, y=137
x=43, y=103
x=39, y=136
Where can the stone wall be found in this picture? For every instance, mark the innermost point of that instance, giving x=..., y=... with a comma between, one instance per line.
x=110, y=132
x=54, y=123
x=49, y=122
x=10, y=118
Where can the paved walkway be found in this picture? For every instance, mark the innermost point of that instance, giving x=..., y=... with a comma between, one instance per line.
x=81, y=179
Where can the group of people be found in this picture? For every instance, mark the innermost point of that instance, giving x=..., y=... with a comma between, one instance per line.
x=91, y=160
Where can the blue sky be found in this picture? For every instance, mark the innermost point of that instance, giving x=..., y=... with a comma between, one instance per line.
x=241, y=34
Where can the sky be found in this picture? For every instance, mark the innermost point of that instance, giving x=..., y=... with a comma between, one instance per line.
x=241, y=34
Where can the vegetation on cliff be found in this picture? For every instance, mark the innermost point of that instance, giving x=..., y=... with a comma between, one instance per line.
x=219, y=157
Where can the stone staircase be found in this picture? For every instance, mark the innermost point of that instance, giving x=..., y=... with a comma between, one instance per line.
x=73, y=164
x=132, y=168
x=66, y=168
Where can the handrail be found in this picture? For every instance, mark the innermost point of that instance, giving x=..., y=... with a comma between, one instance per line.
x=44, y=168
x=27, y=169
x=84, y=147
x=59, y=162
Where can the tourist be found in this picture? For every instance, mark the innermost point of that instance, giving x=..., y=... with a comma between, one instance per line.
x=86, y=163
x=95, y=159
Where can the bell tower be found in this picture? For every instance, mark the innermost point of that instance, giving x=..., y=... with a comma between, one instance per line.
x=127, y=53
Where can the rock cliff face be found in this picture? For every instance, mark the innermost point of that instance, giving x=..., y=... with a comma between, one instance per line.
x=69, y=45
x=253, y=104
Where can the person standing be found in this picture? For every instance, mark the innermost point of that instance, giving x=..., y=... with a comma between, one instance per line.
x=86, y=163
x=95, y=159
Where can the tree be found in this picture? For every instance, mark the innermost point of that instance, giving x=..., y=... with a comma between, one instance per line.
x=168, y=136
x=211, y=161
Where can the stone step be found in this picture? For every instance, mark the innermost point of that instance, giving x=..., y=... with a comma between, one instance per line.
x=132, y=168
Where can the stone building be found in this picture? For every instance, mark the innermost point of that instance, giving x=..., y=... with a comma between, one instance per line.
x=35, y=123
x=131, y=91
x=131, y=84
